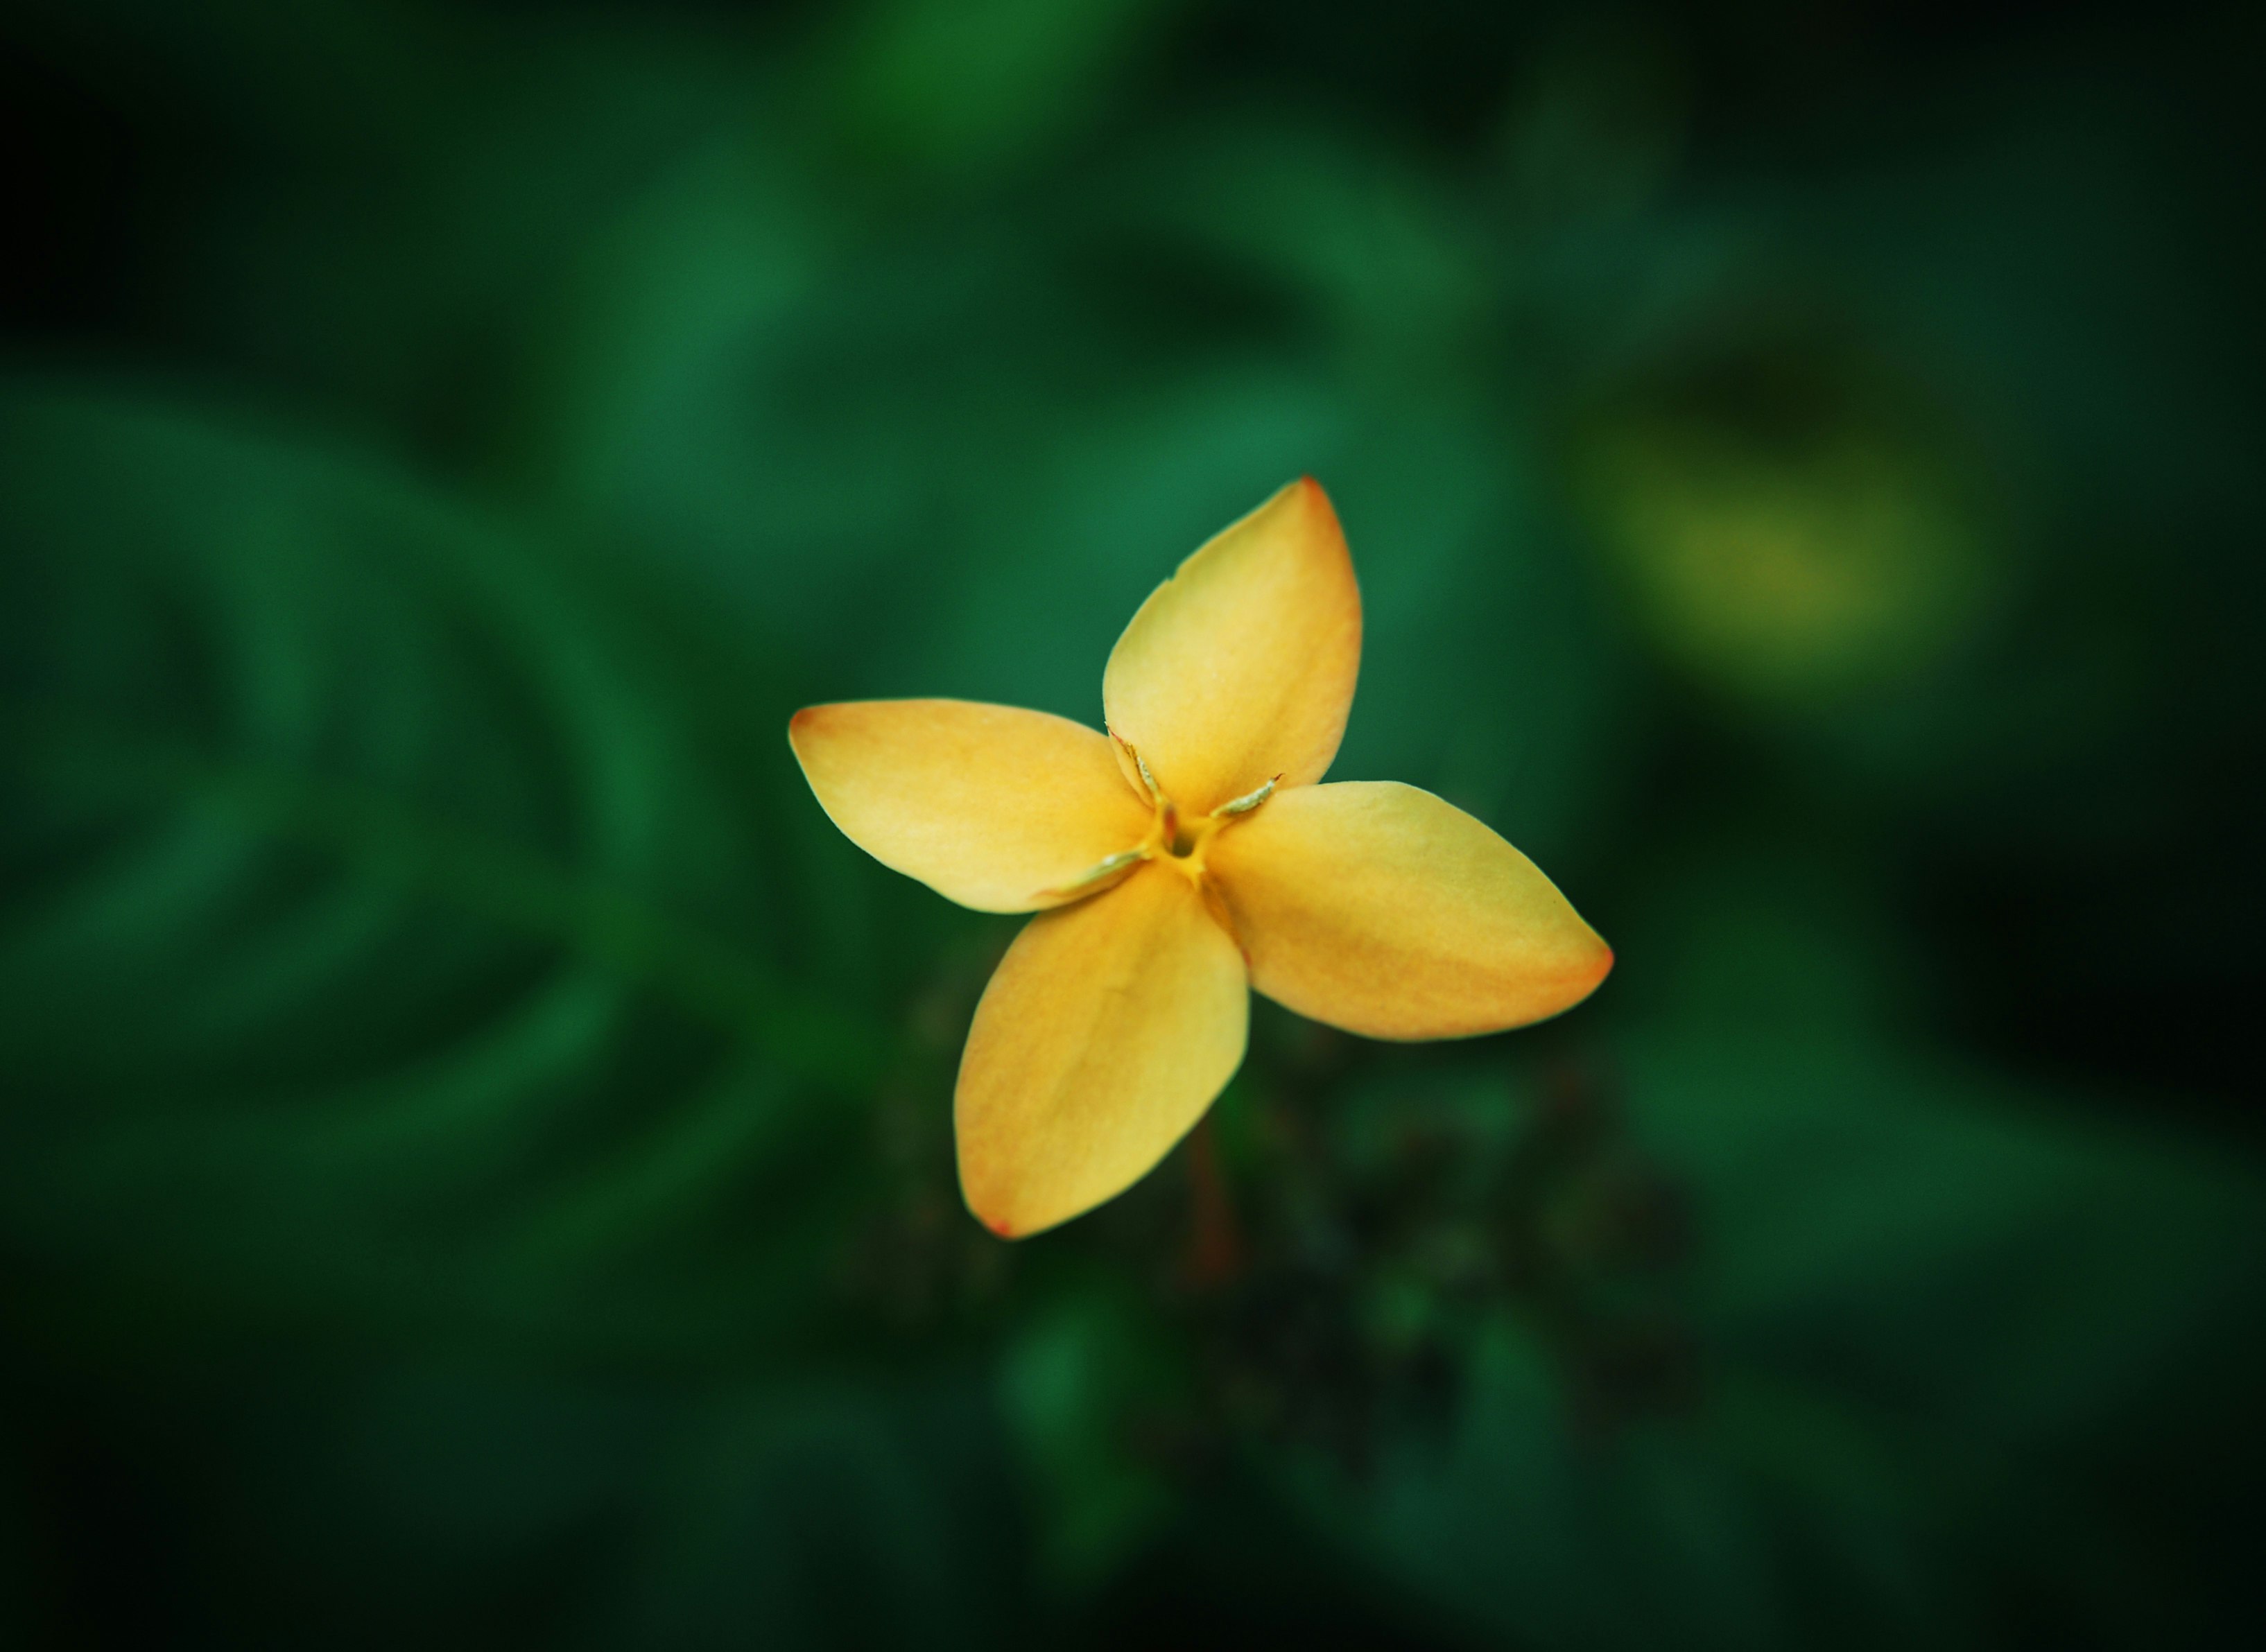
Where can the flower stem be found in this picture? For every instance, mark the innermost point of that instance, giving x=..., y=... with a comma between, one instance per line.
x=1215, y=1252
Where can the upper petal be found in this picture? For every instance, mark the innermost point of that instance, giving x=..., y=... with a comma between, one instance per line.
x=1242, y=666
x=1380, y=909
x=990, y=806
x=1108, y=1030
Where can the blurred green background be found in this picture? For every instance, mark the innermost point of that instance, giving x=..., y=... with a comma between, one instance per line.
x=475, y=1155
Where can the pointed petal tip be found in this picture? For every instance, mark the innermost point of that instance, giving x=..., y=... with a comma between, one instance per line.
x=993, y=1206
x=1602, y=967
x=1583, y=982
x=802, y=722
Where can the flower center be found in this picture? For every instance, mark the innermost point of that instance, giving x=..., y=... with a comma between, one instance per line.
x=1178, y=839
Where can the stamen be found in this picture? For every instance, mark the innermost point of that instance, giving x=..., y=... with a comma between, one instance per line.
x=1115, y=863
x=1156, y=792
x=1244, y=804
x=1129, y=766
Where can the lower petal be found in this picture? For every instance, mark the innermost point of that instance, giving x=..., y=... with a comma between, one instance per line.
x=1109, y=1028
x=1381, y=909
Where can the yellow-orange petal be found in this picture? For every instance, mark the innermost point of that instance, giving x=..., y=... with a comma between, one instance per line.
x=1242, y=666
x=994, y=807
x=1378, y=908
x=1108, y=1030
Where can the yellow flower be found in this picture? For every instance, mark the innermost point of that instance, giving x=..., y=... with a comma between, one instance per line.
x=1181, y=859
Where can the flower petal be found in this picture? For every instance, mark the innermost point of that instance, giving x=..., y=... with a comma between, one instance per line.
x=994, y=807
x=1108, y=1030
x=1380, y=909
x=1242, y=666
